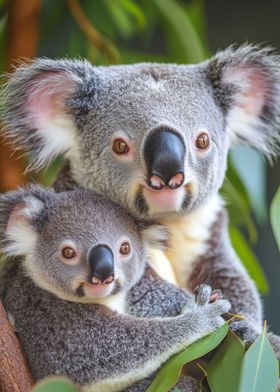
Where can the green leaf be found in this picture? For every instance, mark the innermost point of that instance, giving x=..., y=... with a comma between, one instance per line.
x=181, y=24
x=248, y=258
x=195, y=10
x=243, y=158
x=170, y=371
x=275, y=216
x=238, y=202
x=225, y=367
x=121, y=18
x=136, y=11
x=55, y=384
x=260, y=367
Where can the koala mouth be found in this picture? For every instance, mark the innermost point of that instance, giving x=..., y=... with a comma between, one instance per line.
x=149, y=201
x=86, y=289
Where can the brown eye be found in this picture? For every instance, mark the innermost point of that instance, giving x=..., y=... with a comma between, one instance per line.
x=120, y=147
x=125, y=248
x=68, y=253
x=202, y=141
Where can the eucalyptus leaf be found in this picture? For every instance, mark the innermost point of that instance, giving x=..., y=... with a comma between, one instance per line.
x=135, y=10
x=181, y=24
x=121, y=18
x=236, y=196
x=249, y=260
x=168, y=375
x=275, y=216
x=225, y=367
x=55, y=384
x=260, y=371
x=244, y=158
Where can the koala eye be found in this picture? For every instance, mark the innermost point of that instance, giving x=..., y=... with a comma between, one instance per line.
x=125, y=248
x=120, y=146
x=68, y=253
x=202, y=141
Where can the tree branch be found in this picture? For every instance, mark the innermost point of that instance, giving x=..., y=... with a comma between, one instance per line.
x=94, y=36
x=15, y=375
x=22, y=40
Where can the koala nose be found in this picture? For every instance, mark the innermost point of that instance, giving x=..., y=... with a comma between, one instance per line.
x=101, y=262
x=164, y=154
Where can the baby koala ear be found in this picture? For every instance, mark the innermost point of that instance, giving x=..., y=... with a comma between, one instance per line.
x=155, y=235
x=18, y=211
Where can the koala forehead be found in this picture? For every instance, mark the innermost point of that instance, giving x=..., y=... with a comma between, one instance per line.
x=85, y=216
x=140, y=97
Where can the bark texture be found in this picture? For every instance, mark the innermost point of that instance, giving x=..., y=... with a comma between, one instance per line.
x=15, y=375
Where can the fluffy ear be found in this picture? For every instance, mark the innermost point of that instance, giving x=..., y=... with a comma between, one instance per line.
x=19, y=210
x=37, y=110
x=155, y=235
x=246, y=84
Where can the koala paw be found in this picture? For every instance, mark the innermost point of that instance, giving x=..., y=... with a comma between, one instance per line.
x=244, y=330
x=208, y=309
x=204, y=294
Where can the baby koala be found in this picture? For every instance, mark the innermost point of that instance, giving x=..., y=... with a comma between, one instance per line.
x=83, y=301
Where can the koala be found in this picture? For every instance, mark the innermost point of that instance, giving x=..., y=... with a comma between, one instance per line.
x=82, y=299
x=154, y=138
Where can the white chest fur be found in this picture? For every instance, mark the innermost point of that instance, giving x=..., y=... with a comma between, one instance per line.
x=188, y=240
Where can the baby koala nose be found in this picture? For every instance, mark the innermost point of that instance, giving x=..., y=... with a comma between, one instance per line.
x=101, y=262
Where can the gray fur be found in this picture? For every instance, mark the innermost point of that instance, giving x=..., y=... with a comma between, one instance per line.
x=135, y=100
x=90, y=342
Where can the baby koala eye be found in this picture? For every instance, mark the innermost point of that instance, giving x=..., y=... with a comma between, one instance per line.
x=202, y=141
x=68, y=253
x=120, y=146
x=125, y=248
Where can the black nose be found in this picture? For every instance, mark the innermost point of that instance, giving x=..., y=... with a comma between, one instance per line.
x=164, y=153
x=101, y=261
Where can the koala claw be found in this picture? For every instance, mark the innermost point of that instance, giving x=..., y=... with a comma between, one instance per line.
x=220, y=307
x=205, y=295
x=202, y=294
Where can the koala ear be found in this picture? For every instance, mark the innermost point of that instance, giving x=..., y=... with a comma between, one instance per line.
x=155, y=235
x=18, y=211
x=246, y=84
x=37, y=106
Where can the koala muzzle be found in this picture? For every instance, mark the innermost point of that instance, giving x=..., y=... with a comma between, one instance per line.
x=164, y=154
x=101, y=262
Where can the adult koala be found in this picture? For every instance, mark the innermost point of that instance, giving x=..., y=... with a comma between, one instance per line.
x=155, y=138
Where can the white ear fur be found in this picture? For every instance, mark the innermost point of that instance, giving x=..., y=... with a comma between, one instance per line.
x=45, y=109
x=20, y=236
x=246, y=84
x=156, y=236
x=244, y=117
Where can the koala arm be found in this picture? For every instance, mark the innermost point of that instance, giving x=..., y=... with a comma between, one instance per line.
x=221, y=268
x=154, y=297
x=91, y=344
x=145, y=344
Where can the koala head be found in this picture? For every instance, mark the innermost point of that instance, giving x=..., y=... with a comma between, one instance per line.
x=154, y=138
x=75, y=244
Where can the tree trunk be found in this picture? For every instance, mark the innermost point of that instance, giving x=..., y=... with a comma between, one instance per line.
x=22, y=40
x=15, y=375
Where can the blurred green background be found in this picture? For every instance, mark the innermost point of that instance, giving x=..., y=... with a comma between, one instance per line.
x=128, y=31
